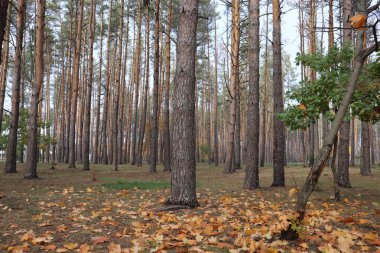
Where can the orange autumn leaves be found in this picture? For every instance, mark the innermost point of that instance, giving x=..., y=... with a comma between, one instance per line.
x=358, y=21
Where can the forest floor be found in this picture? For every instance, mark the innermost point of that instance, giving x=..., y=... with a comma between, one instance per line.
x=65, y=210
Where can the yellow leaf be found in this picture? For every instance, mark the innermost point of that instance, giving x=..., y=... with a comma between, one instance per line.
x=28, y=236
x=293, y=192
x=358, y=21
x=70, y=245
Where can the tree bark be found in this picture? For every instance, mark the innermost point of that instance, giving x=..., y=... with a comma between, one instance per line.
x=4, y=66
x=75, y=82
x=365, y=155
x=32, y=158
x=154, y=129
x=278, y=102
x=10, y=164
x=253, y=115
x=183, y=190
x=115, y=157
x=166, y=131
x=87, y=116
x=216, y=136
x=229, y=166
x=3, y=25
x=137, y=84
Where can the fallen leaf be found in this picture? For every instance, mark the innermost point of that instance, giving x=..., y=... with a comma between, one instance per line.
x=70, y=245
x=114, y=248
x=100, y=239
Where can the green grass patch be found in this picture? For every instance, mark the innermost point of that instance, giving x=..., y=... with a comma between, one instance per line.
x=142, y=185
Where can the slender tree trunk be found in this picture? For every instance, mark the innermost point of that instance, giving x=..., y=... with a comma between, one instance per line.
x=365, y=155
x=10, y=165
x=137, y=84
x=3, y=25
x=278, y=102
x=253, y=115
x=32, y=158
x=154, y=131
x=183, y=190
x=4, y=66
x=216, y=140
x=75, y=82
x=344, y=132
x=115, y=158
x=87, y=116
x=166, y=132
x=106, y=97
x=97, y=124
x=229, y=166
x=145, y=95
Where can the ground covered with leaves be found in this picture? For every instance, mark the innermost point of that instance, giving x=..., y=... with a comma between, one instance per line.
x=70, y=210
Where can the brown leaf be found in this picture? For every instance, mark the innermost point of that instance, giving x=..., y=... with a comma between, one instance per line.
x=100, y=239
x=70, y=245
x=84, y=248
x=114, y=248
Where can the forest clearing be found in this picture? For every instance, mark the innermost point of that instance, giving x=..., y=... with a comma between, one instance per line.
x=66, y=211
x=190, y=126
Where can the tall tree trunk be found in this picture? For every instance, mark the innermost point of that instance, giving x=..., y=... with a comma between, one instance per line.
x=99, y=91
x=216, y=140
x=32, y=158
x=154, y=128
x=106, y=90
x=344, y=132
x=4, y=66
x=75, y=82
x=116, y=95
x=166, y=132
x=87, y=116
x=278, y=101
x=137, y=83
x=10, y=165
x=3, y=25
x=265, y=96
x=253, y=115
x=183, y=190
x=365, y=155
x=229, y=166
x=145, y=95
x=237, y=144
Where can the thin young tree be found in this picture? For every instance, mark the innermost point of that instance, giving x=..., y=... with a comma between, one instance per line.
x=216, y=136
x=183, y=180
x=10, y=164
x=75, y=84
x=32, y=152
x=87, y=116
x=253, y=115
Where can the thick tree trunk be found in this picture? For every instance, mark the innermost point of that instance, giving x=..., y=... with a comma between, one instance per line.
x=253, y=115
x=154, y=122
x=166, y=132
x=183, y=190
x=87, y=116
x=10, y=165
x=32, y=158
x=4, y=66
x=278, y=101
x=229, y=166
x=365, y=155
x=75, y=82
